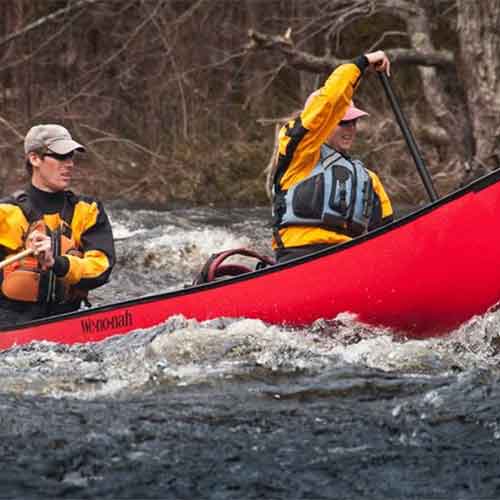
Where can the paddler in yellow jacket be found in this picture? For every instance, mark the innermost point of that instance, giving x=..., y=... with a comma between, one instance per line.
x=70, y=235
x=322, y=196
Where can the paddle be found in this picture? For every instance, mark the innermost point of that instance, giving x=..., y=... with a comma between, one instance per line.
x=410, y=141
x=16, y=257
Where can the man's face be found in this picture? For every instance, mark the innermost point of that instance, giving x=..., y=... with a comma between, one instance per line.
x=343, y=136
x=52, y=172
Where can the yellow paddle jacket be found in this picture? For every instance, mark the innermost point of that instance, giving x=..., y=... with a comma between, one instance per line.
x=299, y=150
x=82, y=220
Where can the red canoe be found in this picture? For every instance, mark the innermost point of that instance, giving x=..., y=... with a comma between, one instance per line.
x=421, y=276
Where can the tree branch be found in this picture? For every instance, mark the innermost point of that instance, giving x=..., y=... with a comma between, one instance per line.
x=45, y=19
x=316, y=64
x=296, y=58
x=430, y=58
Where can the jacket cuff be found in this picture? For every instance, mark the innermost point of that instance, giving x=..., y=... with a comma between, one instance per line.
x=362, y=63
x=61, y=266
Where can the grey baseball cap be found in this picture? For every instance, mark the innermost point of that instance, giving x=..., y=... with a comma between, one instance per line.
x=50, y=136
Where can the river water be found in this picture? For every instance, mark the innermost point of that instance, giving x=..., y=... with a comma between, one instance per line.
x=234, y=408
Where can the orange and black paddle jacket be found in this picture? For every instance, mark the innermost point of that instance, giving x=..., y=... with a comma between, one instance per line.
x=82, y=242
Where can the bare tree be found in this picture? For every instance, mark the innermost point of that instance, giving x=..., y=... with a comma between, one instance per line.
x=479, y=69
x=459, y=81
x=167, y=95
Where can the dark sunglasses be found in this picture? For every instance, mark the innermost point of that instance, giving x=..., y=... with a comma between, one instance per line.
x=347, y=123
x=58, y=157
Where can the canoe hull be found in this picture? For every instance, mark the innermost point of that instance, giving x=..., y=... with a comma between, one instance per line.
x=421, y=276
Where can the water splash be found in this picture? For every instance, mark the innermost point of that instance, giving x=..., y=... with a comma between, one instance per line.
x=160, y=250
x=186, y=352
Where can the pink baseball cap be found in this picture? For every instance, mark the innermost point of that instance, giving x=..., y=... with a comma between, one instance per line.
x=353, y=113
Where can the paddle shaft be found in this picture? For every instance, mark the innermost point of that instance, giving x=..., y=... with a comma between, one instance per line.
x=16, y=257
x=410, y=141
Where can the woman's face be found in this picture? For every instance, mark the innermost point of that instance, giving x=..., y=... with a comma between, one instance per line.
x=343, y=135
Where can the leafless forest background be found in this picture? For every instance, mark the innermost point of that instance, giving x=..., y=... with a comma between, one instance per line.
x=177, y=100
